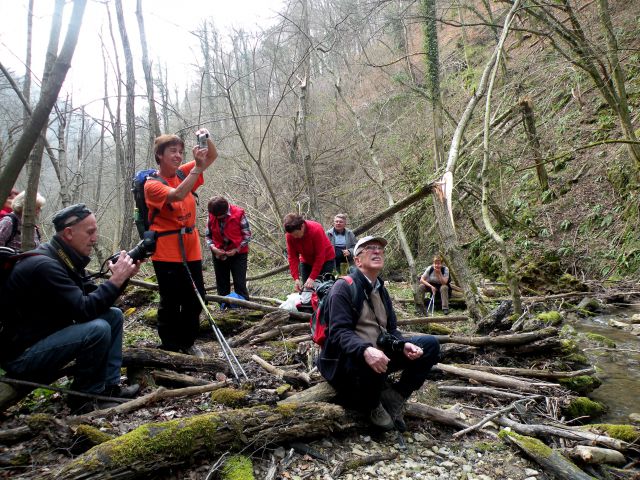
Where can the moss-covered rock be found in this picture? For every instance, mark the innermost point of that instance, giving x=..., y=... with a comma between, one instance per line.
x=550, y=318
x=582, y=384
x=601, y=340
x=584, y=407
x=571, y=283
x=231, y=397
x=238, y=467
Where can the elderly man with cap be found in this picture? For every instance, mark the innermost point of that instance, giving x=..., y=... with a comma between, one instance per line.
x=364, y=345
x=53, y=314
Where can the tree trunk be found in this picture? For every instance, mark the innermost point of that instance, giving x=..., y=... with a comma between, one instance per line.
x=130, y=146
x=48, y=97
x=529, y=123
x=156, y=358
x=156, y=446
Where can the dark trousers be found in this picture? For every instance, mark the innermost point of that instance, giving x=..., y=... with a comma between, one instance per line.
x=305, y=269
x=341, y=260
x=179, y=311
x=359, y=387
x=236, y=267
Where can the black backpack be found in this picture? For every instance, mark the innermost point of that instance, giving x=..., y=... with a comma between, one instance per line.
x=141, y=216
x=14, y=228
x=319, y=321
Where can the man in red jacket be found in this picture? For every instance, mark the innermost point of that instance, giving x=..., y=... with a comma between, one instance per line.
x=309, y=251
x=228, y=236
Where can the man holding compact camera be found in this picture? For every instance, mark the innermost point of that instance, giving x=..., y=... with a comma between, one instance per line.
x=364, y=345
x=53, y=313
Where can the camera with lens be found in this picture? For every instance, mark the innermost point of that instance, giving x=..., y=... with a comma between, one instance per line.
x=143, y=249
x=202, y=140
x=390, y=343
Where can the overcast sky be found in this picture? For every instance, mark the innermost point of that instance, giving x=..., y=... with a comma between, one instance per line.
x=167, y=25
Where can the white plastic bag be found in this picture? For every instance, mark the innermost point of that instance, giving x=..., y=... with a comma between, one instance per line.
x=290, y=303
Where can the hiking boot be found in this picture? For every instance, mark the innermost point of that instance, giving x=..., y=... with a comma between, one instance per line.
x=393, y=403
x=445, y=311
x=80, y=406
x=121, y=392
x=380, y=418
x=193, y=350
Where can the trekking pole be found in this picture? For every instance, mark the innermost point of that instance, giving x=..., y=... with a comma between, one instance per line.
x=224, y=346
x=431, y=306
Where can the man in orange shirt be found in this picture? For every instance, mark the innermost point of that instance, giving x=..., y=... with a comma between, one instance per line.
x=172, y=207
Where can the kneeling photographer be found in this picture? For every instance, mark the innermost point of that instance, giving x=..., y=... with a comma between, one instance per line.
x=364, y=345
x=53, y=314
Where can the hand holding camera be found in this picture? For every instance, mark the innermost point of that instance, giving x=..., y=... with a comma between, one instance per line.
x=389, y=343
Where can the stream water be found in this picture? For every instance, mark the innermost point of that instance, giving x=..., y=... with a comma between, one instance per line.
x=619, y=368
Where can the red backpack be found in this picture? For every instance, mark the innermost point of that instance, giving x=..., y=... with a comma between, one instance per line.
x=319, y=321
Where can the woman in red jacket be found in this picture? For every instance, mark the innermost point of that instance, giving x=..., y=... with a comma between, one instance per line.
x=309, y=251
x=228, y=236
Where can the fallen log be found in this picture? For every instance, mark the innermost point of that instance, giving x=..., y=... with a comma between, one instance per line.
x=550, y=459
x=563, y=432
x=270, y=320
x=551, y=344
x=595, y=455
x=357, y=462
x=492, y=392
x=256, y=306
x=321, y=392
x=527, y=372
x=297, y=379
x=156, y=446
x=157, y=358
x=500, y=340
x=168, y=378
x=279, y=331
x=427, y=320
x=524, y=385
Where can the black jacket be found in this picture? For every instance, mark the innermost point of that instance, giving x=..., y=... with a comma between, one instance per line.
x=48, y=292
x=343, y=345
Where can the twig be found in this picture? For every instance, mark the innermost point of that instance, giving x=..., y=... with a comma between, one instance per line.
x=68, y=391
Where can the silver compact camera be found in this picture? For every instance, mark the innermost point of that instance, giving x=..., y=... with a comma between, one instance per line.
x=202, y=140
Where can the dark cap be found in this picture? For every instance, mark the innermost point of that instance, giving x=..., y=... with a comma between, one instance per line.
x=70, y=216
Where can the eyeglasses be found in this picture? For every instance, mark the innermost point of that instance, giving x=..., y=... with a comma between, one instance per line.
x=374, y=248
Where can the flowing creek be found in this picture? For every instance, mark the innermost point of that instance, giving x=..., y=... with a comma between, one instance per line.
x=618, y=368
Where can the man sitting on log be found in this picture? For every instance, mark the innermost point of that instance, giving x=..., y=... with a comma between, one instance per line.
x=364, y=346
x=52, y=314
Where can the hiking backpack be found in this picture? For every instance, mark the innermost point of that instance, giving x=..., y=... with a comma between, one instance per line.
x=319, y=321
x=141, y=215
x=14, y=228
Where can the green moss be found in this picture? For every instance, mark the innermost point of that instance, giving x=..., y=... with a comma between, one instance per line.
x=230, y=397
x=285, y=345
x=486, y=446
x=584, y=407
x=286, y=409
x=571, y=283
x=626, y=433
x=437, y=329
x=265, y=354
x=238, y=467
x=550, y=318
x=39, y=421
x=94, y=435
x=531, y=444
x=150, y=317
x=601, y=340
x=282, y=389
x=577, y=358
x=568, y=346
x=582, y=384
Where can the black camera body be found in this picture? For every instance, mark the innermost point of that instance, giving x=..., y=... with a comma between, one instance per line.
x=390, y=343
x=143, y=249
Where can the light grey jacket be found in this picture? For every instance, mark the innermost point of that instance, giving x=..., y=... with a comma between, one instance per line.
x=350, y=238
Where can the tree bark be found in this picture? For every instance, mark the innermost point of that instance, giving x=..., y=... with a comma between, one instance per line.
x=510, y=340
x=529, y=123
x=156, y=358
x=522, y=385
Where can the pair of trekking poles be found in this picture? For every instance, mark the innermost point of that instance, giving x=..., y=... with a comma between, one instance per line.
x=231, y=358
x=432, y=305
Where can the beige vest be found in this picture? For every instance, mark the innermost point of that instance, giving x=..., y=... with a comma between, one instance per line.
x=367, y=327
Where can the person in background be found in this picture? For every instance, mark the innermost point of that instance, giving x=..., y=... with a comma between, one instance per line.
x=309, y=251
x=228, y=235
x=363, y=344
x=343, y=241
x=6, y=207
x=436, y=279
x=173, y=209
x=52, y=314
x=11, y=224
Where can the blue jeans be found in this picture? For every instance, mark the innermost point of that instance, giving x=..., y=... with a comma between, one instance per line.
x=96, y=346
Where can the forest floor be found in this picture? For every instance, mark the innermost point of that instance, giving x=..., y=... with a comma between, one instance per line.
x=430, y=451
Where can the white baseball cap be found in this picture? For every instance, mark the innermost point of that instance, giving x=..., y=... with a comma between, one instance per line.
x=366, y=240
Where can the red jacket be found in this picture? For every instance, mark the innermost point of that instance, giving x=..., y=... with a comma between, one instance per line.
x=232, y=230
x=314, y=249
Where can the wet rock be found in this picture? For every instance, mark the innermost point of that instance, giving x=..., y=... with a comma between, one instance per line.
x=530, y=472
x=590, y=304
x=635, y=318
x=634, y=418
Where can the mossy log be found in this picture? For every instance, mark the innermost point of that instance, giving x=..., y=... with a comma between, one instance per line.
x=269, y=321
x=551, y=460
x=156, y=446
x=157, y=358
x=523, y=385
x=500, y=340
